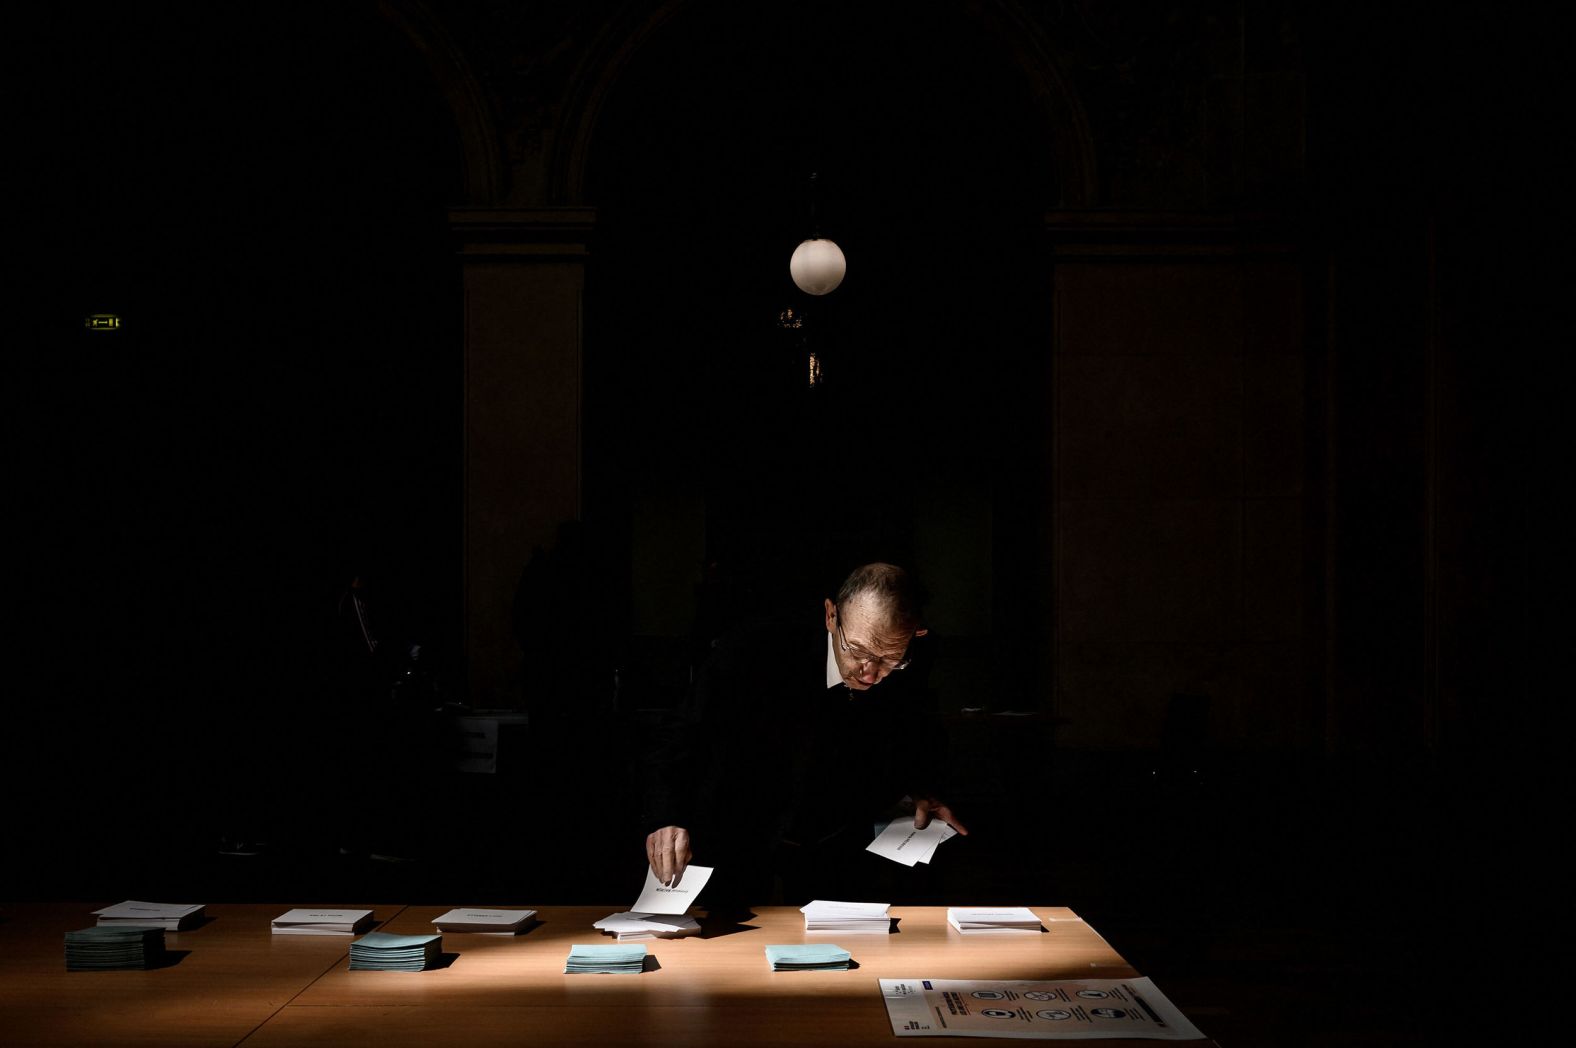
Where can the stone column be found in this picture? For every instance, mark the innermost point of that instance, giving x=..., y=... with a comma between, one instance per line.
x=524, y=275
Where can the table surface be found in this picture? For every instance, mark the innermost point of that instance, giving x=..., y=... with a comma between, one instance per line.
x=232, y=981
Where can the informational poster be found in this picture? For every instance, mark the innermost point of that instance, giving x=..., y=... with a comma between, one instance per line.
x=1066, y=1010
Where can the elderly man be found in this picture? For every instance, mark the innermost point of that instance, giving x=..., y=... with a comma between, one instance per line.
x=793, y=743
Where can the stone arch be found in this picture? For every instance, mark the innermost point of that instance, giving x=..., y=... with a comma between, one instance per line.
x=1008, y=21
x=484, y=174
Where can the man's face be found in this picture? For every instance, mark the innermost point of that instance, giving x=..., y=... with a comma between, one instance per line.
x=867, y=648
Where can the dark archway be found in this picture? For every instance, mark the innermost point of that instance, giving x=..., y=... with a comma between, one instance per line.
x=1011, y=32
x=482, y=175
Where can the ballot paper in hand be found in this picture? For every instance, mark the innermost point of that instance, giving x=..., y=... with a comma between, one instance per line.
x=808, y=957
x=487, y=922
x=633, y=927
x=605, y=960
x=322, y=922
x=672, y=898
x=382, y=952
x=172, y=917
x=822, y=915
x=900, y=842
x=1001, y=919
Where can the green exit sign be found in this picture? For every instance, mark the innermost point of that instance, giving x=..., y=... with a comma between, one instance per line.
x=102, y=322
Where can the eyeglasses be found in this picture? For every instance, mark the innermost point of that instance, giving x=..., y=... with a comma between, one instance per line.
x=864, y=657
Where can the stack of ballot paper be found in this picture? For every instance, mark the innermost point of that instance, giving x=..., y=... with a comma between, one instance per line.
x=606, y=960
x=322, y=922
x=495, y=922
x=172, y=917
x=900, y=842
x=110, y=949
x=824, y=916
x=382, y=952
x=632, y=927
x=813, y=957
x=1008, y=919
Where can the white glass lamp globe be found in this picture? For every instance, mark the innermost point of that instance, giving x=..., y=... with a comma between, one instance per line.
x=817, y=266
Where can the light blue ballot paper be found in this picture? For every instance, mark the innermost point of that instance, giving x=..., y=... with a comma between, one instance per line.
x=811, y=957
x=605, y=960
x=109, y=949
x=382, y=952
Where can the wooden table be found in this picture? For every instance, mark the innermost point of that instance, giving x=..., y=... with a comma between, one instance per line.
x=234, y=982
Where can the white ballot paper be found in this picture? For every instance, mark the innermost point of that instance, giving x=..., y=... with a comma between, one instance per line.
x=1008, y=919
x=134, y=913
x=675, y=898
x=1064, y=1010
x=485, y=922
x=632, y=927
x=322, y=922
x=831, y=915
x=900, y=842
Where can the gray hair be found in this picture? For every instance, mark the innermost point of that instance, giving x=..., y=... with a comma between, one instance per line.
x=893, y=592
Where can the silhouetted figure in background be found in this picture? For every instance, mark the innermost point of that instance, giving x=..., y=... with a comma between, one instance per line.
x=570, y=649
x=387, y=736
x=560, y=620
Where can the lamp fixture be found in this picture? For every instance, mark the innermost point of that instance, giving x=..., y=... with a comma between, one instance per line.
x=817, y=265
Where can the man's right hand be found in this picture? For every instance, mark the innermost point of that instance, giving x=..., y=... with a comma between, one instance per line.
x=668, y=849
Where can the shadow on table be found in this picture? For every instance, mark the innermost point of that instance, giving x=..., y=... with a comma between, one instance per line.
x=715, y=926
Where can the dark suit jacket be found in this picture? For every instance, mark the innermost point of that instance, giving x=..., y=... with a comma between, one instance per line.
x=763, y=752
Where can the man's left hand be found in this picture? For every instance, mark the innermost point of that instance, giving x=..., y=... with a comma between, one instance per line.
x=927, y=807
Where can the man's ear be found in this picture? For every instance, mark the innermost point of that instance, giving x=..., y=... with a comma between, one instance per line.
x=830, y=610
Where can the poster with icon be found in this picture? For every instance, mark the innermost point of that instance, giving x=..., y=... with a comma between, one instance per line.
x=1073, y=1009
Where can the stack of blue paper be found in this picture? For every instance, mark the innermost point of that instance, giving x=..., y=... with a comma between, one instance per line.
x=608, y=960
x=113, y=949
x=382, y=952
x=813, y=957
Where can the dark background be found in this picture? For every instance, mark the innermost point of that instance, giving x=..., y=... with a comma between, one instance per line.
x=264, y=200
